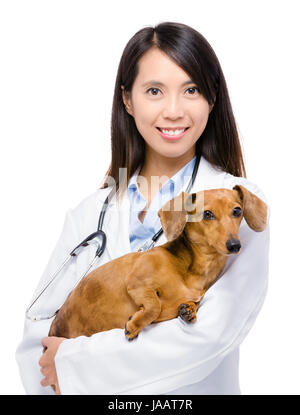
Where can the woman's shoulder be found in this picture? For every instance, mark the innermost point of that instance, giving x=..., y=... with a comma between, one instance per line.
x=216, y=177
x=230, y=181
x=92, y=200
x=85, y=214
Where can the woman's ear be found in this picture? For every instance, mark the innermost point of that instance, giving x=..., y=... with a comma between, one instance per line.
x=126, y=100
x=254, y=209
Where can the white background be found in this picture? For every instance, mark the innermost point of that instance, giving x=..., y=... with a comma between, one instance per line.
x=58, y=65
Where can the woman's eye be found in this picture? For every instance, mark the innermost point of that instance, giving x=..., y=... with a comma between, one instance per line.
x=152, y=89
x=237, y=211
x=208, y=215
x=193, y=88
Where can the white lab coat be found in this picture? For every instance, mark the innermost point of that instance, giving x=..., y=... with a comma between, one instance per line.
x=171, y=357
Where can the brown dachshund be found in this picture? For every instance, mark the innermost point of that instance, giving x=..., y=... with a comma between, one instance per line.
x=141, y=288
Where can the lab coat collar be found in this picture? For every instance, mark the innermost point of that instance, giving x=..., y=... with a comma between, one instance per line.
x=116, y=221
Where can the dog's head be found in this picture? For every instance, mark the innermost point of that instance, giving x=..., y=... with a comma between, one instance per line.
x=213, y=217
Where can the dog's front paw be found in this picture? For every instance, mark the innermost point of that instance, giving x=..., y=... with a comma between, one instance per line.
x=187, y=312
x=131, y=332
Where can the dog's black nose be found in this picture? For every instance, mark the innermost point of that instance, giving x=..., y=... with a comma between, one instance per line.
x=233, y=245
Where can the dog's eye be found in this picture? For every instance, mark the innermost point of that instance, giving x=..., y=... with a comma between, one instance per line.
x=237, y=211
x=208, y=215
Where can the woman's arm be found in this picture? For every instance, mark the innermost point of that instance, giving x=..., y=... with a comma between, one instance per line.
x=79, y=222
x=171, y=354
x=30, y=349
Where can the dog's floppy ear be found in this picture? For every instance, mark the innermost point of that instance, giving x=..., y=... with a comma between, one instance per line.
x=173, y=215
x=254, y=209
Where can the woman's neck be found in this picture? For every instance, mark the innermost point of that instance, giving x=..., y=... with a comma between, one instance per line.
x=156, y=165
x=162, y=167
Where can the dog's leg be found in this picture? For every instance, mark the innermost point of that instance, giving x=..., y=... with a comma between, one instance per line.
x=146, y=299
x=188, y=311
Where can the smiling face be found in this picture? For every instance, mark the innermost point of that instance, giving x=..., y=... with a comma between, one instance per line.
x=173, y=102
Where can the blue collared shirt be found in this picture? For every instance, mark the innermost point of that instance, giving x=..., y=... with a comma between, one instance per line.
x=141, y=232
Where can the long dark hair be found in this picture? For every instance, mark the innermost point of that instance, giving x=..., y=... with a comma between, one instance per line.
x=219, y=142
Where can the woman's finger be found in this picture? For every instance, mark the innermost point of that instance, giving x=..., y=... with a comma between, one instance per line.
x=57, y=390
x=45, y=341
x=45, y=382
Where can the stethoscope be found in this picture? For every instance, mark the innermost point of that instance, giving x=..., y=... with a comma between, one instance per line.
x=98, y=239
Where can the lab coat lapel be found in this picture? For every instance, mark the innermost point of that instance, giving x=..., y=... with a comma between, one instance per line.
x=116, y=227
x=208, y=177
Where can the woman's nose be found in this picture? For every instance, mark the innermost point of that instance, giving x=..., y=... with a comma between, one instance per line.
x=173, y=108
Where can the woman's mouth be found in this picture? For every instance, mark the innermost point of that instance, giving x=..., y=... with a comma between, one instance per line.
x=172, y=135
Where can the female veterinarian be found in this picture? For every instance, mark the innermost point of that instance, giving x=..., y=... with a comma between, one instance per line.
x=169, y=78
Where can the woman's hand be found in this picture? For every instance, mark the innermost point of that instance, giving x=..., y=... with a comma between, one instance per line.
x=47, y=363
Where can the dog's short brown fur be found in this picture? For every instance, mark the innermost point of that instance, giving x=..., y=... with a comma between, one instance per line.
x=141, y=288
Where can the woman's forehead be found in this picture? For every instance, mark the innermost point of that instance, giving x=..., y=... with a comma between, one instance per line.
x=156, y=67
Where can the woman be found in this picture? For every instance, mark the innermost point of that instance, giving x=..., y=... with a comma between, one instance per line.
x=169, y=78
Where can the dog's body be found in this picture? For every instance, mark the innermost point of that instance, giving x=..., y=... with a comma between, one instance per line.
x=156, y=281
x=141, y=288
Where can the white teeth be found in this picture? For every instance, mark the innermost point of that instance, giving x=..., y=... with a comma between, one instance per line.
x=171, y=132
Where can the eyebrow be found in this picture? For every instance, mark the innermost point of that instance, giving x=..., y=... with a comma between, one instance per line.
x=153, y=82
